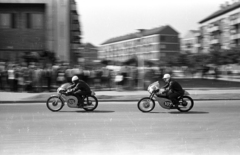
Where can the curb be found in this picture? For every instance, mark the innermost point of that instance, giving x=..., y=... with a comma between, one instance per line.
x=41, y=101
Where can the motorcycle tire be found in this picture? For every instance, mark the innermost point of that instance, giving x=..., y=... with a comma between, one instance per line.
x=185, y=104
x=146, y=104
x=92, y=106
x=54, y=103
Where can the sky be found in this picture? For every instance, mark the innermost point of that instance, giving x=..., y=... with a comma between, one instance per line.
x=105, y=19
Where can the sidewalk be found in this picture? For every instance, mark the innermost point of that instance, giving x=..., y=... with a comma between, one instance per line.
x=231, y=93
x=125, y=96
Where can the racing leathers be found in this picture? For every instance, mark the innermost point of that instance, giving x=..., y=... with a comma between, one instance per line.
x=79, y=89
x=173, y=90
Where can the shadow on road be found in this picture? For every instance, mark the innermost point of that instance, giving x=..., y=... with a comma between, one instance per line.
x=190, y=112
x=96, y=111
x=157, y=112
x=177, y=112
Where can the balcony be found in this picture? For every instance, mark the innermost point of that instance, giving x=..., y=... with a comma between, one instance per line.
x=198, y=34
x=75, y=27
x=75, y=17
x=235, y=22
x=73, y=7
x=75, y=46
x=75, y=33
x=214, y=41
x=234, y=36
x=197, y=45
x=213, y=29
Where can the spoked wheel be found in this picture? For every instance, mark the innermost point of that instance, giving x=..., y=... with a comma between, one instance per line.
x=54, y=103
x=146, y=104
x=185, y=104
x=90, y=103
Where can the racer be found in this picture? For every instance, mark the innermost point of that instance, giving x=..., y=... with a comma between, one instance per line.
x=79, y=88
x=172, y=89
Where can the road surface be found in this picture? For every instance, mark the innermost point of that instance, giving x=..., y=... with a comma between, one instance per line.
x=212, y=127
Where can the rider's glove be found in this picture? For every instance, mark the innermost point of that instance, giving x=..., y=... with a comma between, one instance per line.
x=68, y=92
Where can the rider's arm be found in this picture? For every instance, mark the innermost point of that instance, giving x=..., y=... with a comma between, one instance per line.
x=70, y=88
x=166, y=87
x=76, y=88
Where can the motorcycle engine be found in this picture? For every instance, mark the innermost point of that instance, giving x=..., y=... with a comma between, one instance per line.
x=168, y=103
x=72, y=101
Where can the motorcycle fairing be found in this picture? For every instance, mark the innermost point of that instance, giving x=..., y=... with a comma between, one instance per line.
x=161, y=101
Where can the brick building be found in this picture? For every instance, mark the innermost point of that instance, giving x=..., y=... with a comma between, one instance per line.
x=150, y=44
x=34, y=26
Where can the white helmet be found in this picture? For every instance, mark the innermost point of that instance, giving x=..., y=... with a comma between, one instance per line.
x=74, y=79
x=166, y=76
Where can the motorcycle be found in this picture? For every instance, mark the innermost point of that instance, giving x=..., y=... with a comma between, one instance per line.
x=147, y=104
x=56, y=102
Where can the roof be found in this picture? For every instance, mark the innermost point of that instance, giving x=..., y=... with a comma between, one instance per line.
x=89, y=45
x=146, y=32
x=222, y=11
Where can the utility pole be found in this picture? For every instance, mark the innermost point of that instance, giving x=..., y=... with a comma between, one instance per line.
x=140, y=61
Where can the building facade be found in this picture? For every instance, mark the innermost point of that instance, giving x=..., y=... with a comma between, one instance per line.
x=221, y=30
x=37, y=26
x=150, y=44
x=191, y=42
x=89, y=54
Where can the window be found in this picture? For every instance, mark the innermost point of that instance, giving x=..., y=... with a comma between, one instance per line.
x=34, y=21
x=188, y=45
x=170, y=39
x=163, y=38
x=8, y=20
x=162, y=46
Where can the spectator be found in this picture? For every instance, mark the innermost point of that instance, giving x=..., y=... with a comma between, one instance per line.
x=48, y=77
x=68, y=74
x=60, y=77
x=1, y=75
x=105, y=77
x=11, y=77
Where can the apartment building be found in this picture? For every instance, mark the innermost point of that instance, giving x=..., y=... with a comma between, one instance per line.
x=221, y=30
x=149, y=44
x=191, y=42
x=89, y=54
x=35, y=26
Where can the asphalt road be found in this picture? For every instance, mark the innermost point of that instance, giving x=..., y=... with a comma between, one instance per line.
x=212, y=128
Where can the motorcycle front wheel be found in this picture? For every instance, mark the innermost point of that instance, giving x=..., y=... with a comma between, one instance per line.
x=90, y=103
x=146, y=104
x=185, y=104
x=54, y=103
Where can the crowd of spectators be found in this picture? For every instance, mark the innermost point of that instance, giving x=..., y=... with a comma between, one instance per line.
x=46, y=77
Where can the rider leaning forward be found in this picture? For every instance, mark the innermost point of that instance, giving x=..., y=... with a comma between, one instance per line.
x=172, y=89
x=79, y=88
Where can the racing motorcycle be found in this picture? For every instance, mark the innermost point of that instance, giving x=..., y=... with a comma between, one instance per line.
x=56, y=102
x=147, y=104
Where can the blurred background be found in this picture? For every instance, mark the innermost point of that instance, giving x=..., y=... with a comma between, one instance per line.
x=41, y=47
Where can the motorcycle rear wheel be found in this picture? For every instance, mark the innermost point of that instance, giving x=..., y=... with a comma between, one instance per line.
x=54, y=103
x=185, y=104
x=146, y=104
x=92, y=103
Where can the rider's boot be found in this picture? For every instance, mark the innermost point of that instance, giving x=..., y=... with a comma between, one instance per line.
x=175, y=103
x=80, y=103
